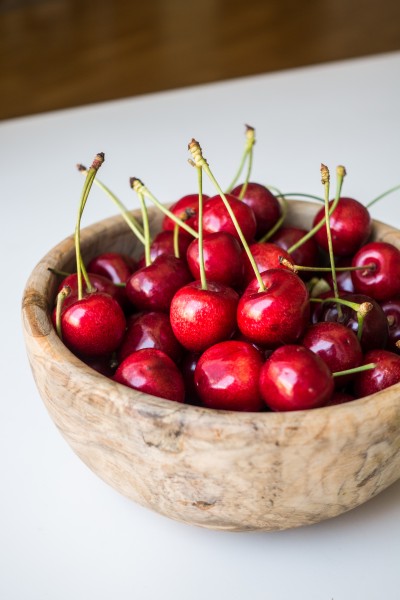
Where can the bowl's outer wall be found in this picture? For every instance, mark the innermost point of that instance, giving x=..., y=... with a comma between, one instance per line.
x=217, y=469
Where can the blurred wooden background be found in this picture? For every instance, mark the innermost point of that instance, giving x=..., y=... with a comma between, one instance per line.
x=63, y=53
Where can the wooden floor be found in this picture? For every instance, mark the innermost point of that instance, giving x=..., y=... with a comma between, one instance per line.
x=62, y=53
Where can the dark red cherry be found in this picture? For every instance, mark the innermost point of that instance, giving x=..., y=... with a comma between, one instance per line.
x=343, y=278
x=294, y=378
x=306, y=255
x=339, y=397
x=350, y=225
x=163, y=243
x=153, y=372
x=216, y=217
x=385, y=373
x=99, y=283
x=279, y=314
x=113, y=265
x=153, y=287
x=226, y=376
x=150, y=330
x=223, y=260
x=93, y=326
x=337, y=345
x=263, y=203
x=383, y=281
x=266, y=256
x=186, y=209
x=391, y=308
x=201, y=318
x=187, y=367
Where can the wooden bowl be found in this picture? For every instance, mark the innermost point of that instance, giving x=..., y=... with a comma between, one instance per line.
x=216, y=469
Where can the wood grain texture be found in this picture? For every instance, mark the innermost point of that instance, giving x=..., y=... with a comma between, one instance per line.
x=215, y=469
x=61, y=53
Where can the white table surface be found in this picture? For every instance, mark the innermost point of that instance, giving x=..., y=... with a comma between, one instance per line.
x=64, y=534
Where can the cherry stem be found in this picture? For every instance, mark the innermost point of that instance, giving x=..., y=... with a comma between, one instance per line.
x=146, y=229
x=200, y=162
x=341, y=172
x=300, y=195
x=247, y=155
x=61, y=296
x=139, y=186
x=325, y=182
x=176, y=241
x=284, y=261
x=130, y=220
x=360, y=309
x=90, y=176
x=372, y=202
x=203, y=279
x=354, y=370
x=284, y=208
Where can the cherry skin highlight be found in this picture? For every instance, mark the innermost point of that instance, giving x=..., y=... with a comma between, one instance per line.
x=263, y=203
x=383, y=281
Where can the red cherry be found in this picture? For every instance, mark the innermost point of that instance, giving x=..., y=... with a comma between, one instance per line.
x=150, y=330
x=94, y=325
x=186, y=208
x=350, y=225
x=391, y=308
x=280, y=314
x=217, y=218
x=188, y=367
x=201, y=318
x=153, y=287
x=337, y=345
x=263, y=203
x=343, y=278
x=226, y=376
x=294, y=378
x=266, y=256
x=113, y=265
x=383, y=281
x=223, y=260
x=163, y=243
x=385, y=374
x=153, y=372
x=307, y=255
x=98, y=282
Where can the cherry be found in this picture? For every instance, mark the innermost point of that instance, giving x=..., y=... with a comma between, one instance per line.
x=153, y=372
x=163, y=243
x=294, y=378
x=99, y=283
x=186, y=209
x=337, y=345
x=350, y=225
x=266, y=256
x=93, y=325
x=150, y=330
x=223, y=261
x=277, y=315
x=153, y=287
x=262, y=201
x=381, y=282
x=306, y=255
x=187, y=368
x=226, y=376
x=113, y=265
x=339, y=397
x=343, y=278
x=217, y=218
x=385, y=373
x=202, y=317
x=391, y=308
x=375, y=327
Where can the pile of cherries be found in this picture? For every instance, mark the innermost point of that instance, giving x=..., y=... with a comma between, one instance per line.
x=230, y=308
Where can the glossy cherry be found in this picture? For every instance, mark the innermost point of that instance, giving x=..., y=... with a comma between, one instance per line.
x=99, y=283
x=113, y=265
x=216, y=217
x=385, y=373
x=266, y=256
x=383, y=281
x=223, y=260
x=150, y=330
x=263, y=203
x=306, y=255
x=153, y=372
x=203, y=317
x=186, y=209
x=391, y=308
x=294, y=378
x=163, y=243
x=337, y=345
x=350, y=225
x=226, y=377
x=279, y=314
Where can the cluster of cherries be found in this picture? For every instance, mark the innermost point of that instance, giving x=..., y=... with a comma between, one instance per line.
x=295, y=320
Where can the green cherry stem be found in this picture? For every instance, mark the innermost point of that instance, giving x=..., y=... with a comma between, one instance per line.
x=284, y=208
x=139, y=186
x=355, y=370
x=61, y=296
x=200, y=162
x=146, y=226
x=341, y=172
x=247, y=155
x=284, y=261
x=300, y=195
x=130, y=220
x=372, y=202
x=361, y=310
x=325, y=182
x=90, y=176
x=176, y=241
x=203, y=279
